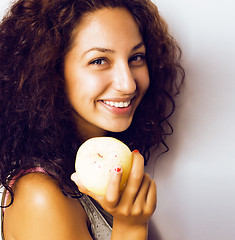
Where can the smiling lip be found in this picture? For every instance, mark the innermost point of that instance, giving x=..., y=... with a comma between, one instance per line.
x=118, y=106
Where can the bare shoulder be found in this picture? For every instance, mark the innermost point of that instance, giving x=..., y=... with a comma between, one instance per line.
x=41, y=211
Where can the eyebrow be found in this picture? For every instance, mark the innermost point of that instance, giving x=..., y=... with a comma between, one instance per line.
x=139, y=45
x=100, y=49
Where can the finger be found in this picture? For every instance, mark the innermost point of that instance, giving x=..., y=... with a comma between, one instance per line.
x=151, y=200
x=135, y=179
x=113, y=190
x=143, y=191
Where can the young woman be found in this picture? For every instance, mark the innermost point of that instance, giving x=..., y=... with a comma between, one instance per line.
x=71, y=70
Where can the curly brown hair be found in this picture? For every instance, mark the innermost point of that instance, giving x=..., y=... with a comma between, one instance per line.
x=36, y=123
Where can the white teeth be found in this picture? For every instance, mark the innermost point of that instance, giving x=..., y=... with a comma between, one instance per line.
x=118, y=104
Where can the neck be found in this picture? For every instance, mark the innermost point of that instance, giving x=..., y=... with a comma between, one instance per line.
x=87, y=130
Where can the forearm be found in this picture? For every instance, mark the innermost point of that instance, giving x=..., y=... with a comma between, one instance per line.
x=129, y=232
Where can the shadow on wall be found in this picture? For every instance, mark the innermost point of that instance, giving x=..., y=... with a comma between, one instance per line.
x=154, y=234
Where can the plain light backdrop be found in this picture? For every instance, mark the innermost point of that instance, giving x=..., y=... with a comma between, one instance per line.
x=196, y=179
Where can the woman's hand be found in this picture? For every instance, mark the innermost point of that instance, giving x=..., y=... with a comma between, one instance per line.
x=132, y=208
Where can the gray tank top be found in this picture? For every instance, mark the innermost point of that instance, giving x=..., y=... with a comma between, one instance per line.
x=100, y=228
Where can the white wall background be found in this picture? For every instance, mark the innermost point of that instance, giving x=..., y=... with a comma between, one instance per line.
x=196, y=179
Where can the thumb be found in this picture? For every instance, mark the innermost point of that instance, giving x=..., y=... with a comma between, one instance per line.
x=75, y=178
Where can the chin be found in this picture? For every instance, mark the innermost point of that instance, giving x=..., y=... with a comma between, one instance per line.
x=119, y=128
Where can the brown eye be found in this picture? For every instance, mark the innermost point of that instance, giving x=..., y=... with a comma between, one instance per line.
x=99, y=61
x=137, y=60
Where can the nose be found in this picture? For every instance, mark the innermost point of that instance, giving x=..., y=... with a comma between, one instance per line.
x=123, y=79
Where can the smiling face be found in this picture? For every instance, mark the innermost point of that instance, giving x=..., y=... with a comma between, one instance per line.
x=105, y=72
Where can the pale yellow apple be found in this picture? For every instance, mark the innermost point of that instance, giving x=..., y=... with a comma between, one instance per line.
x=97, y=158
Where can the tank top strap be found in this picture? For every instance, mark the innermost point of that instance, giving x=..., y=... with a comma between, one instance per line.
x=100, y=228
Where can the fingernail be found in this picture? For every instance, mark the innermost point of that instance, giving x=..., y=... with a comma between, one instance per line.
x=118, y=169
x=136, y=151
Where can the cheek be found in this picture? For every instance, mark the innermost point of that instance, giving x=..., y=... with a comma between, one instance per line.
x=87, y=85
x=93, y=83
x=143, y=80
x=93, y=80
x=146, y=82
